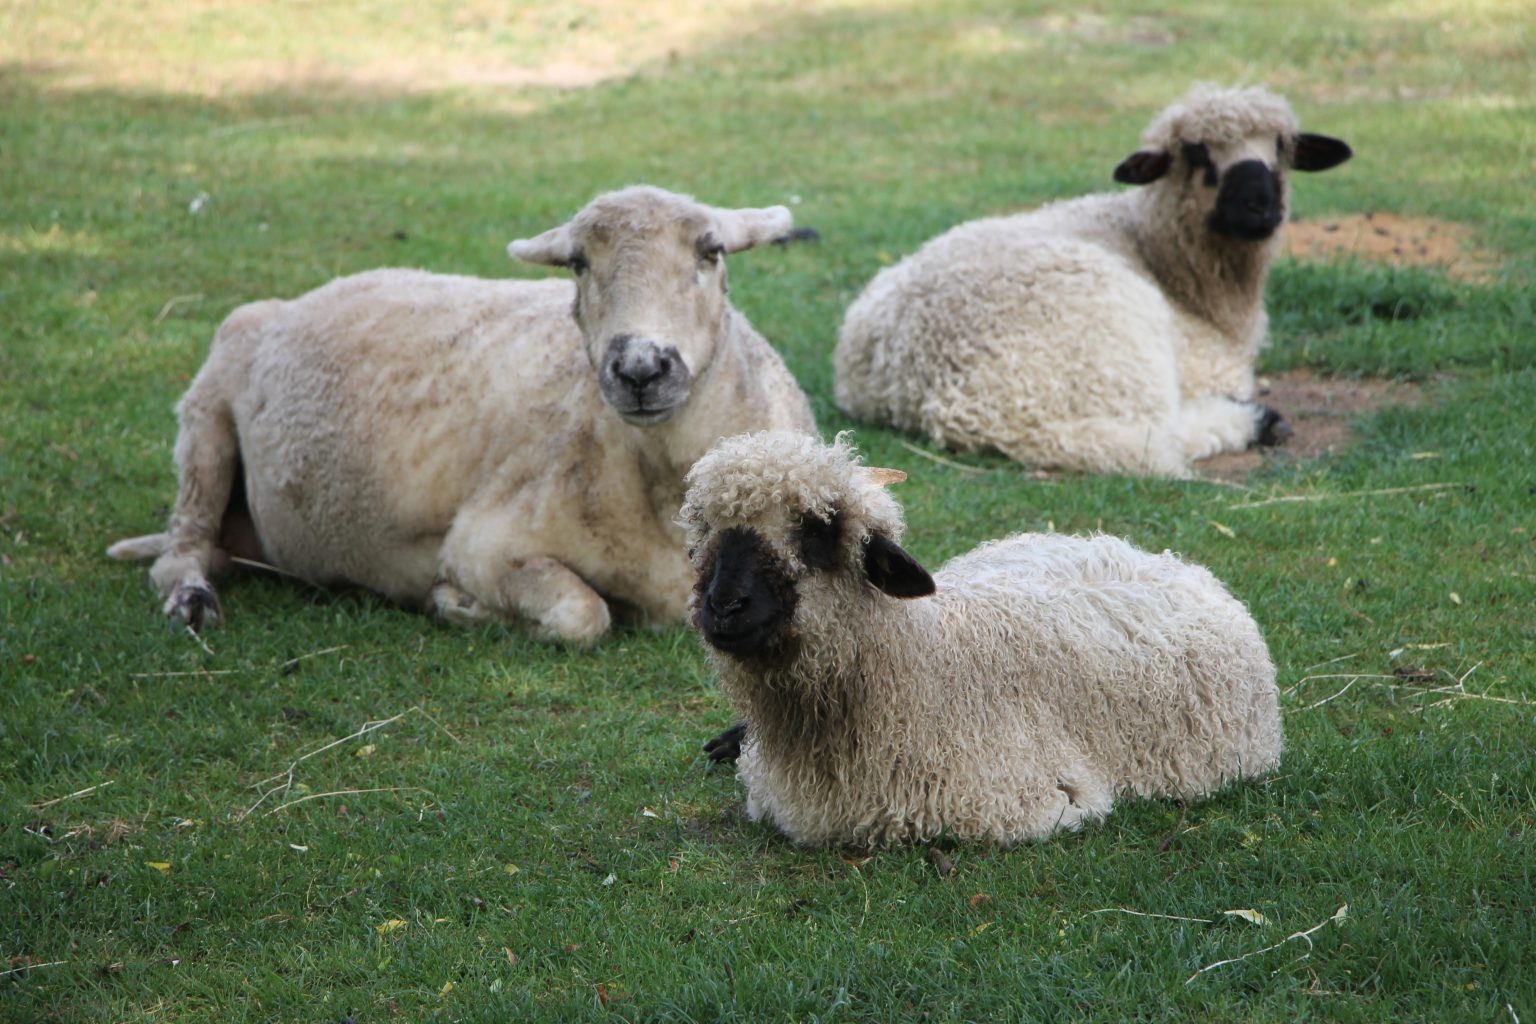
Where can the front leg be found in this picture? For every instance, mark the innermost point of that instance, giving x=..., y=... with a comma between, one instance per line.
x=727, y=745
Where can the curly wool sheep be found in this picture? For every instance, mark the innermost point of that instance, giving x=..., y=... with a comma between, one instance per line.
x=485, y=449
x=1011, y=695
x=1109, y=333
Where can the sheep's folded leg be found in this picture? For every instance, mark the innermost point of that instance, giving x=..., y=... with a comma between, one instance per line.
x=561, y=605
x=1212, y=424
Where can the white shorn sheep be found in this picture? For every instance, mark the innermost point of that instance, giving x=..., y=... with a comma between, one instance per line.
x=1013, y=694
x=470, y=446
x=1109, y=333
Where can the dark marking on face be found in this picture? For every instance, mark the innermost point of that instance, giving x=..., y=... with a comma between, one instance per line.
x=817, y=540
x=644, y=382
x=1250, y=204
x=1198, y=158
x=745, y=598
x=709, y=249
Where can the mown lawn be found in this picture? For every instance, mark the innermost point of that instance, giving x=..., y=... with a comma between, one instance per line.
x=511, y=831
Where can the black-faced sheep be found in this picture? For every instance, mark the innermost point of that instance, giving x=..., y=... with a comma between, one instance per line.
x=470, y=446
x=1012, y=694
x=1109, y=333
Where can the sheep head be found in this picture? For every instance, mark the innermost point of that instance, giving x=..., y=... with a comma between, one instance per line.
x=1226, y=153
x=787, y=535
x=651, y=294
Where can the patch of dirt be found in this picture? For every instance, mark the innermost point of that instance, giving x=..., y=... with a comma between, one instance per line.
x=1319, y=410
x=1392, y=239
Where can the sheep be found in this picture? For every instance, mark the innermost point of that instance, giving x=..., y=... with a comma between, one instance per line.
x=487, y=450
x=1011, y=695
x=1107, y=333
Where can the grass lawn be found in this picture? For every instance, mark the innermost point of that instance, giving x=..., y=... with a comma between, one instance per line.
x=512, y=831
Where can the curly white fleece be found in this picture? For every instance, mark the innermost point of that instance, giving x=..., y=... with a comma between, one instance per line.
x=1114, y=332
x=1046, y=675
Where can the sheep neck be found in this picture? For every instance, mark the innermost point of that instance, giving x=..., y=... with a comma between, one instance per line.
x=667, y=451
x=813, y=706
x=1217, y=279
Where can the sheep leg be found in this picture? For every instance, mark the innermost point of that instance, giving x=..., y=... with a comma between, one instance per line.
x=558, y=601
x=1212, y=424
x=1105, y=445
x=207, y=458
x=727, y=745
x=458, y=607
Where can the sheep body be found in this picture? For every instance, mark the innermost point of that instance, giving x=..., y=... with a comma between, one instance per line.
x=1045, y=675
x=445, y=441
x=1112, y=332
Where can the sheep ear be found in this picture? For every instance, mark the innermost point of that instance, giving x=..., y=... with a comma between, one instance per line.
x=1143, y=167
x=1319, y=152
x=742, y=229
x=552, y=248
x=882, y=477
x=892, y=570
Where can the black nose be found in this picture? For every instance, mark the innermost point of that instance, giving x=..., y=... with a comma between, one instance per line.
x=724, y=606
x=637, y=371
x=1249, y=203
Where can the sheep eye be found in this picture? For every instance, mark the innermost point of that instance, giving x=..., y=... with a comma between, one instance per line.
x=1197, y=156
x=709, y=251
x=817, y=540
x=578, y=263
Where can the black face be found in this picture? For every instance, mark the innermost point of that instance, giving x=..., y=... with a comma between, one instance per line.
x=745, y=598
x=1248, y=204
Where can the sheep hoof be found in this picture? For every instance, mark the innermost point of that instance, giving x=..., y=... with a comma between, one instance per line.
x=727, y=745
x=1272, y=429
x=195, y=606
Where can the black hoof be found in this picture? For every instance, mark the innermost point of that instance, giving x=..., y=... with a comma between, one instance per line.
x=798, y=235
x=1272, y=429
x=195, y=606
x=727, y=746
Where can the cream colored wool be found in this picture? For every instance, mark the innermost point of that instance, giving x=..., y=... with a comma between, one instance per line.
x=444, y=440
x=1109, y=333
x=1046, y=676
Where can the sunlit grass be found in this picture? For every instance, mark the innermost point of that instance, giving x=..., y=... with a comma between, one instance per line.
x=165, y=163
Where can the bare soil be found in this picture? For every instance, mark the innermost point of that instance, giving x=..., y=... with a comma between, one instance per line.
x=1393, y=239
x=1319, y=410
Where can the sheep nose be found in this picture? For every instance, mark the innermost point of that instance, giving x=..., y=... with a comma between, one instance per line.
x=725, y=606
x=636, y=362
x=638, y=372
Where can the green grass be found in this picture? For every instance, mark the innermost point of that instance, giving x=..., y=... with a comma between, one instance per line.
x=538, y=820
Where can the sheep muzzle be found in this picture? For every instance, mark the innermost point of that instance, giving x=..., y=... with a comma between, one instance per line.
x=645, y=382
x=1250, y=203
x=744, y=597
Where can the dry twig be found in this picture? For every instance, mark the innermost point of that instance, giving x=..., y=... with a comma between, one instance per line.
x=1306, y=936
x=1165, y=917
x=340, y=792
x=30, y=967
x=284, y=780
x=1286, y=499
x=87, y=791
x=941, y=460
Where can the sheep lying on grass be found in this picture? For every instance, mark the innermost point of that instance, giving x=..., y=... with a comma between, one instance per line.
x=1012, y=694
x=1109, y=333
x=470, y=446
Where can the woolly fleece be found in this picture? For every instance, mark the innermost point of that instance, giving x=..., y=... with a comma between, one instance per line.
x=1047, y=675
x=1110, y=333
x=445, y=441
